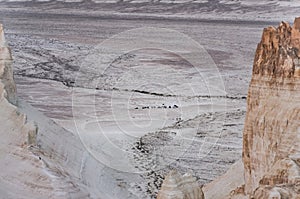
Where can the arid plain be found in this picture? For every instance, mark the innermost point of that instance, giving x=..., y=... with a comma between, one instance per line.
x=149, y=108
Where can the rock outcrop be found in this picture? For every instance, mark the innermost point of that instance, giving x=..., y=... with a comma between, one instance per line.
x=8, y=92
x=271, y=142
x=176, y=186
x=8, y=87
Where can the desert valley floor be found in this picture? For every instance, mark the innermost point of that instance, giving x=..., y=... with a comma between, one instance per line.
x=149, y=110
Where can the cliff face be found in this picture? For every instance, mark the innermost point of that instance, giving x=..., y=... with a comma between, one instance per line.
x=271, y=142
x=8, y=87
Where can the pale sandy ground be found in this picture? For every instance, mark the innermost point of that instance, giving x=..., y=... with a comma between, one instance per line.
x=51, y=40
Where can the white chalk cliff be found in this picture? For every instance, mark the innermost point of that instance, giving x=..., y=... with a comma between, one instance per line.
x=271, y=151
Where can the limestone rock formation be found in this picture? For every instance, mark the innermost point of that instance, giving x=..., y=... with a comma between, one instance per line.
x=8, y=87
x=176, y=186
x=8, y=90
x=271, y=142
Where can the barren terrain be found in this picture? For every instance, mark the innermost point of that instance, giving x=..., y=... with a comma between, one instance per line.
x=149, y=110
